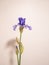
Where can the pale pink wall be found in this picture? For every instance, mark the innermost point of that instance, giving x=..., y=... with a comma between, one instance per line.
x=36, y=42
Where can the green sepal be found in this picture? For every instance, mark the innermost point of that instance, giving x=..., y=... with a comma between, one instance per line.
x=21, y=48
x=21, y=29
x=17, y=51
x=17, y=40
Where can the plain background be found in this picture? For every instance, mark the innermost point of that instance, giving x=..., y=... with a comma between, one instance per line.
x=36, y=41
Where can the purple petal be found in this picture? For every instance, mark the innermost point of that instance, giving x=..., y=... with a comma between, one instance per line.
x=21, y=21
x=27, y=26
x=14, y=27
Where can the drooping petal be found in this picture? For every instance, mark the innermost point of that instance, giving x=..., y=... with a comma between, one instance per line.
x=14, y=27
x=27, y=26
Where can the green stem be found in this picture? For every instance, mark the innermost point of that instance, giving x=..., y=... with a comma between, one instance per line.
x=19, y=62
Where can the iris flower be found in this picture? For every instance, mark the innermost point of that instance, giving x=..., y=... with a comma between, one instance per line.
x=21, y=24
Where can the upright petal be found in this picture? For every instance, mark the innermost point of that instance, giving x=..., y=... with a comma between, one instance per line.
x=27, y=26
x=21, y=21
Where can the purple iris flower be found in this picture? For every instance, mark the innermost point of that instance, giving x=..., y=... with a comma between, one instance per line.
x=22, y=23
